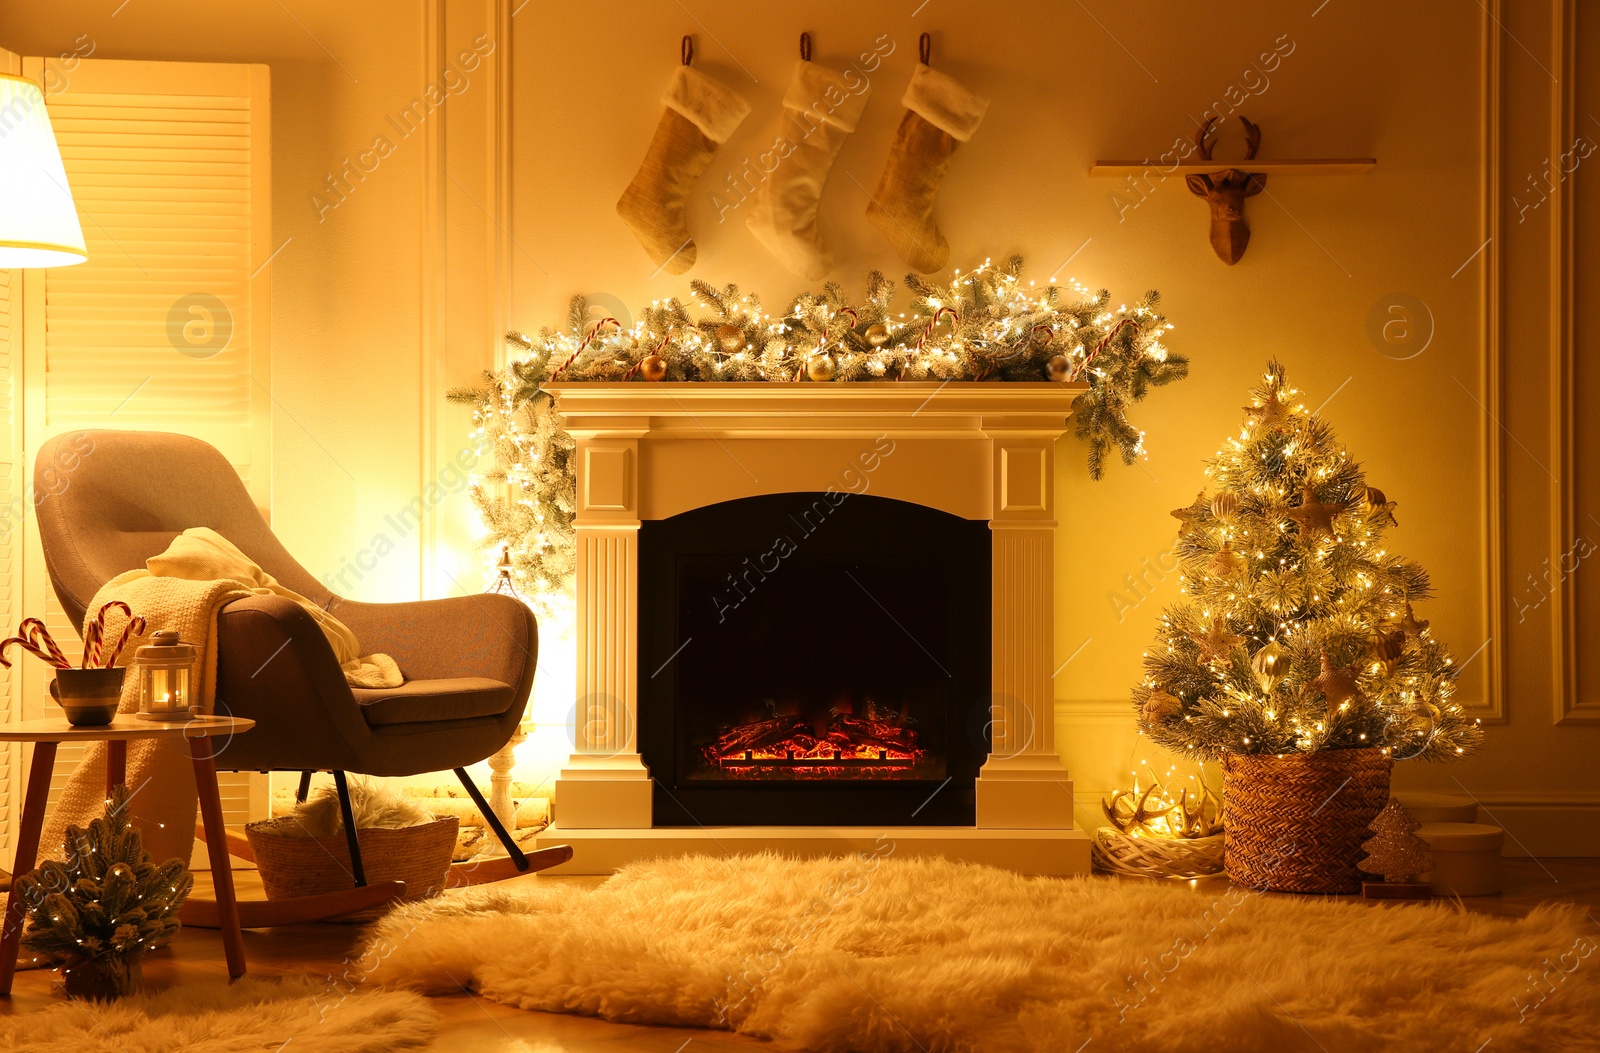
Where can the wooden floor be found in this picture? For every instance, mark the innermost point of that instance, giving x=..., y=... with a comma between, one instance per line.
x=475, y=1025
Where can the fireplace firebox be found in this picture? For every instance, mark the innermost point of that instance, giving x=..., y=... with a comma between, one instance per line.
x=814, y=659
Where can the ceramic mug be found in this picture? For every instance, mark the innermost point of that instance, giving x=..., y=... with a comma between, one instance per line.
x=88, y=696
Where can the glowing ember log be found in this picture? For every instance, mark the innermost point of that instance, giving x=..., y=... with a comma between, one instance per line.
x=852, y=746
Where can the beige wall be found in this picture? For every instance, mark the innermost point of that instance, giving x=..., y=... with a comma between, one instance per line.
x=393, y=294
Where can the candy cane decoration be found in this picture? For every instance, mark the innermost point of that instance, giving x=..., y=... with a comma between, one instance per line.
x=95, y=637
x=37, y=635
x=1089, y=359
x=26, y=646
x=584, y=343
x=134, y=627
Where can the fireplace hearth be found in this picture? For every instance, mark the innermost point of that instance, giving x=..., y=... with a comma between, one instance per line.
x=843, y=682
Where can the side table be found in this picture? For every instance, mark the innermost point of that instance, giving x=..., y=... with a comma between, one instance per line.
x=49, y=733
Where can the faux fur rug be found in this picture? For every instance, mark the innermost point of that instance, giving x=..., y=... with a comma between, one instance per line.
x=874, y=953
x=251, y=1016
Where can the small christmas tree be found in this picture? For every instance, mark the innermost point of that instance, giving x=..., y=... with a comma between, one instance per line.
x=1298, y=629
x=100, y=909
x=1394, y=849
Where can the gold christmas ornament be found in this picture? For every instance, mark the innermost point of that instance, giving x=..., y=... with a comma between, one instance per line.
x=1315, y=516
x=1337, y=683
x=1160, y=705
x=730, y=338
x=1188, y=517
x=1408, y=622
x=1226, y=562
x=820, y=368
x=1225, y=504
x=1385, y=649
x=877, y=334
x=1375, y=503
x=653, y=368
x=1059, y=368
x=1270, y=666
x=1216, y=642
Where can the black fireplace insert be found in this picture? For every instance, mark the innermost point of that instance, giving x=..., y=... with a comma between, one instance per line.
x=817, y=659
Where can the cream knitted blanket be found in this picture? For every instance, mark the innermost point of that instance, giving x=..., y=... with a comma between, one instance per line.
x=183, y=590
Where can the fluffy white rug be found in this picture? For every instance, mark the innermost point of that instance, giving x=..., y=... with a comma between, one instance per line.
x=251, y=1016
x=879, y=954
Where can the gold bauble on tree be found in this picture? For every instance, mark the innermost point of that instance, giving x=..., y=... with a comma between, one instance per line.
x=1226, y=562
x=1225, y=504
x=730, y=338
x=877, y=334
x=820, y=367
x=1270, y=666
x=653, y=368
x=1059, y=368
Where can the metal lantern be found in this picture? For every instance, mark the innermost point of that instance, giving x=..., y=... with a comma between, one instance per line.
x=165, y=666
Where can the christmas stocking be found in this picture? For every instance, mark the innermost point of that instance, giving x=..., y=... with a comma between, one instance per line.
x=940, y=113
x=701, y=114
x=820, y=110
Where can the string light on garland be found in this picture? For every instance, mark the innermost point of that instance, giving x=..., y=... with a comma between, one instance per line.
x=988, y=324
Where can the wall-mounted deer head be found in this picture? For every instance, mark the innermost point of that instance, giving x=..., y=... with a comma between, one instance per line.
x=1225, y=192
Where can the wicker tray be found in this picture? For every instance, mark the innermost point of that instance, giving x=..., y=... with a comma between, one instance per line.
x=1296, y=820
x=306, y=866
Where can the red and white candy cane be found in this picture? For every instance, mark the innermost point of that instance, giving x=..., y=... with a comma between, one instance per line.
x=134, y=627
x=26, y=646
x=1092, y=355
x=94, y=638
x=584, y=343
x=36, y=634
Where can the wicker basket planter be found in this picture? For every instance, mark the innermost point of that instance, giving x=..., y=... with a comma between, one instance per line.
x=1296, y=820
x=1156, y=857
x=306, y=866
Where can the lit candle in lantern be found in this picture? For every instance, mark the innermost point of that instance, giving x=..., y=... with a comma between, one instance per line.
x=165, y=665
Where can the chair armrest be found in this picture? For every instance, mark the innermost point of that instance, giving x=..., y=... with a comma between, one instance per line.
x=275, y=666
x=485, y=634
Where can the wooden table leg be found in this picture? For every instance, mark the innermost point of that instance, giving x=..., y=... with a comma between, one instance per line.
x=38, y=792
x=205, y=784
x=116, y=764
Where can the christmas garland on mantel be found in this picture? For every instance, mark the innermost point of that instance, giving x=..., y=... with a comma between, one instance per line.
x=986, y=325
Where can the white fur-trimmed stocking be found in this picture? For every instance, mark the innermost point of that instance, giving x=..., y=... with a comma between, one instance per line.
x=820, y=110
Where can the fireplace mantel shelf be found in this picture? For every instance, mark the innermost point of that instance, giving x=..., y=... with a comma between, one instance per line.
x=792, y=410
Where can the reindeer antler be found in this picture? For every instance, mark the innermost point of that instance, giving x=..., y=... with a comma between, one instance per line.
x=1200, y=139
x=1252, y=137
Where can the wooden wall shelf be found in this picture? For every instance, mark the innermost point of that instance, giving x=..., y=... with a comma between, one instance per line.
x=1317, y=166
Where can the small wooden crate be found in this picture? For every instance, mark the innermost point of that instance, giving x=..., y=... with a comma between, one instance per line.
x=293, y=866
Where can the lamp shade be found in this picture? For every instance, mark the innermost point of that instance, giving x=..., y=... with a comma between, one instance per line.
x=38, y=221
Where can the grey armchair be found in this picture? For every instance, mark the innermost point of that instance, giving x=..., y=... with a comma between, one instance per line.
x=116, y=498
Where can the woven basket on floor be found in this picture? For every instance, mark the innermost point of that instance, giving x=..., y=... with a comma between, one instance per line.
x=1296, y=820
x=1156, y=857
x=306, y=866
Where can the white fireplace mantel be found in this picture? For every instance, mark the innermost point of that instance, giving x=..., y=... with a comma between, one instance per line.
x=983, y=451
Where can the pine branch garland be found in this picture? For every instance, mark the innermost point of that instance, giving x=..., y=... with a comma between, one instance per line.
x=988, y=324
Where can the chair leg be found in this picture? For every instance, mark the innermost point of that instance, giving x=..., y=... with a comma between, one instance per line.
x=493, y=820
x=304, y=791
x=351, y=835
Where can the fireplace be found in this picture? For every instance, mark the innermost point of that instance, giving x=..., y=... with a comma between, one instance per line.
x=814, y=619
x=814, y=659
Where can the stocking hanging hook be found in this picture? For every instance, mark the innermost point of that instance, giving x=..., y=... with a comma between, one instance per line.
x=805, y=47
x=925, y=47
x=688, y=49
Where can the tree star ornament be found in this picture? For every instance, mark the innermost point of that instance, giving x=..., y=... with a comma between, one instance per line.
x=1337, y=683
x=1314, y=516
x=1187, y=517
x=1216, y=642
x=1272, y=414
x=1408, y=622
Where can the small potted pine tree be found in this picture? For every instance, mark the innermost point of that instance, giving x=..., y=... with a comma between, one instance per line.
x=1296, y=657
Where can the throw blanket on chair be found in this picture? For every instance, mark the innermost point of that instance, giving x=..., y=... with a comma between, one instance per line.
x=183, y=590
